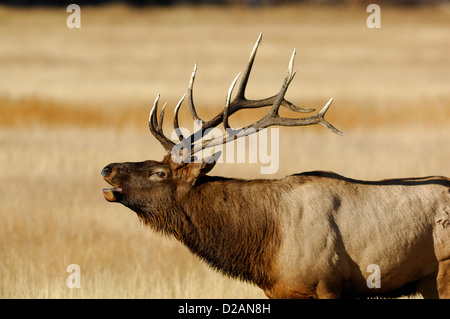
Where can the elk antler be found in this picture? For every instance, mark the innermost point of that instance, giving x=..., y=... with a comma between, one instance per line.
x=187, y=147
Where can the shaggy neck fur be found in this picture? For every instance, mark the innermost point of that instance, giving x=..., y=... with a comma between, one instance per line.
x=228, y=223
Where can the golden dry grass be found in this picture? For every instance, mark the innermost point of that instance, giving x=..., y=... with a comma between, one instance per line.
x=72, y=101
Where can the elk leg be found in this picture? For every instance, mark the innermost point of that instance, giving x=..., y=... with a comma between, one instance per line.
x=443, y=279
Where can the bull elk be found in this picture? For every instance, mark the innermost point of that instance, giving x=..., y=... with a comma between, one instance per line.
x=307, y=235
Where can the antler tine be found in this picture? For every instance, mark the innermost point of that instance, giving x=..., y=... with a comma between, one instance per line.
x=318, y=118
x=240, y=94
x=240, y=102
x=156, y=129
x=325, y=123
x=279, y=98
x=161, y=118
x=227, y=127
x=152, y=112
x=190, y=95
x=175, y=119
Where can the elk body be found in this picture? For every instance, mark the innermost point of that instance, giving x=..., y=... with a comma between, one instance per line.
x=308, y=235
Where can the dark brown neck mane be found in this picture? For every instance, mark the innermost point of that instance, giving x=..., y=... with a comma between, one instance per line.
x=228, y=223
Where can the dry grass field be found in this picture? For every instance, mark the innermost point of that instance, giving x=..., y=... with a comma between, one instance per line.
x=74, y=100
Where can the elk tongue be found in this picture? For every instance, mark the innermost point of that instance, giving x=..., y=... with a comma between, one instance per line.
x=112, y=194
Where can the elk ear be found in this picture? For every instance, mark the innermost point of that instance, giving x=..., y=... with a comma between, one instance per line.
x=197, y=170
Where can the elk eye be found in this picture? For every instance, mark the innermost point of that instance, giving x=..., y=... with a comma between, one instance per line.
x=160, y=174
x=157, y=175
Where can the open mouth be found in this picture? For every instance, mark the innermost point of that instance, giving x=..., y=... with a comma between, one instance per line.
x=112, y=194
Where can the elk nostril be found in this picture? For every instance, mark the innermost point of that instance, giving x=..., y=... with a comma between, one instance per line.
x=106, y=171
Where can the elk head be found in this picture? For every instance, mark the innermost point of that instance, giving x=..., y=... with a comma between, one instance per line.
x=150, y=187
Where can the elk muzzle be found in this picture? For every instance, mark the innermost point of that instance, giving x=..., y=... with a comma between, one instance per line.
x=111, y=194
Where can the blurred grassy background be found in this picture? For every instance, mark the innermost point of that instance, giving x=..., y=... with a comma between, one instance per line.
x=74, y=100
